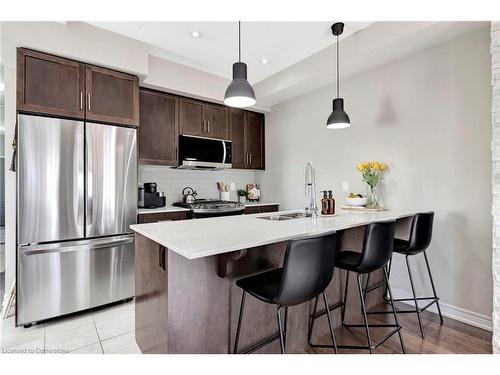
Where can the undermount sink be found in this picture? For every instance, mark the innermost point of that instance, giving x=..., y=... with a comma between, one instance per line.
x=294, y=215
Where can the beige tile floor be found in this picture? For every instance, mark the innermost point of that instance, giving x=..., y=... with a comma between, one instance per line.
x=108, y=330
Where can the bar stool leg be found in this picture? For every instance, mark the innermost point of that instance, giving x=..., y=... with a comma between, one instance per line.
x=328, y=314
x=386, y=277
x=365, y=317
x=344, y=300
x=433, y=287
x=417, y=309
x=387, y=282
x=366, y=286
x=286, y=324
x=281, y=329
x=311, y=321
x=235, y=350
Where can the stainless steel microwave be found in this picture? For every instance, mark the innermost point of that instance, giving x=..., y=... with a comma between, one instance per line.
x=204, y=153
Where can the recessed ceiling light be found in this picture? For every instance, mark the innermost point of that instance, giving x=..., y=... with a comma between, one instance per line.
x=195, y=34
x=264, y=61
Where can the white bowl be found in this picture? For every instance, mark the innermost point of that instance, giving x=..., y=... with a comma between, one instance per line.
x=356, y=201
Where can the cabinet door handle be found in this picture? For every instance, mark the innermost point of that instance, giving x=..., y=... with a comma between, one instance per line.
x=250, y=155
x=88, y=101
x=161, y=260
x=208, y=126
x=81, y=100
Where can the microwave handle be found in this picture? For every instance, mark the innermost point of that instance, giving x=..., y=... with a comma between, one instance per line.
x=223, y=152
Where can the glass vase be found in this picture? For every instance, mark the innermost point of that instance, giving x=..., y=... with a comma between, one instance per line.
x=372, y=198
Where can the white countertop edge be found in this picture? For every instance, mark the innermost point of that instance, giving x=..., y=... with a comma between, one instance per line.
x=211, y=252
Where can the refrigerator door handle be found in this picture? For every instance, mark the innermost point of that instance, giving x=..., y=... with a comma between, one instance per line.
x=89, y=211
x=100, y=243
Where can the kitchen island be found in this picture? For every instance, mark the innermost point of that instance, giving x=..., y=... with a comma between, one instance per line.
x=186, y=297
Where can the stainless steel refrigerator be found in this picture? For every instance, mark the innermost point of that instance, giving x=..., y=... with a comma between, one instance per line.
x=77, y=196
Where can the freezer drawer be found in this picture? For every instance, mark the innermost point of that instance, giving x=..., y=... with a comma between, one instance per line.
x=111, y=179
x=50, y=179
x=62, y=278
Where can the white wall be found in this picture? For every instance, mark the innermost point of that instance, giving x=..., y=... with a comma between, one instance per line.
x=428, y=116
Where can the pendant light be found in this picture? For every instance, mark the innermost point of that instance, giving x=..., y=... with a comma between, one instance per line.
x=338, y=118
x=239, y=93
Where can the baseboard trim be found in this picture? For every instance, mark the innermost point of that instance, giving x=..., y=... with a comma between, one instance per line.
x=453, y=312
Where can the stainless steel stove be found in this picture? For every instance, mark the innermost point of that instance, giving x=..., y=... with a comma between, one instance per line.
x=212, y=208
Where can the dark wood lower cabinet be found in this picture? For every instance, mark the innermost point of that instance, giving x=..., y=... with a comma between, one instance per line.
x=162, y=216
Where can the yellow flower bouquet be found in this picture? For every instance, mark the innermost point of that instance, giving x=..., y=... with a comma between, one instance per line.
x=372, y=172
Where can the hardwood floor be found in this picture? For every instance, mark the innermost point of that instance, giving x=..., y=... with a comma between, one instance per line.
x=450, y=337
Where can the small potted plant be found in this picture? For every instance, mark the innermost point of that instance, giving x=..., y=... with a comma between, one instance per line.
x=242, y=195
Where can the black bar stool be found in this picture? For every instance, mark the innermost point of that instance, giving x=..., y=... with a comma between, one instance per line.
x=420, y=238
x=377, y=251
x=307, y=271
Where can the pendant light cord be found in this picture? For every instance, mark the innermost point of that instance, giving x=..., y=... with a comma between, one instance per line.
x=338, y=69
x=239, y=41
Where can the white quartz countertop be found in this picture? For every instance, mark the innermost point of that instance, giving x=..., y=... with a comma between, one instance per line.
x=257, y=204
x=161, y=210
x=211, y=236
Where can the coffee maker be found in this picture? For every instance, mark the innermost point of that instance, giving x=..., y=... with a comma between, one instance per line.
x=150, y=198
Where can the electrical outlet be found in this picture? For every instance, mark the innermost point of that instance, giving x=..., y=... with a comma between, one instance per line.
x=232, y=186
x=345, y=186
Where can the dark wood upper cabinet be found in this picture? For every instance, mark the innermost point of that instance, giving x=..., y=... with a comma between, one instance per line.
x=254, y=136
x=203, y=119
x=216, y=117
x=50, y=85
x=158, y=132
x=112, y=96
x=247, y=134
x=237, y=122
x=192, y=121
x=53, y=85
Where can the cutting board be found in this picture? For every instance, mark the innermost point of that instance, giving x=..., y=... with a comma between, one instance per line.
x=363, y=209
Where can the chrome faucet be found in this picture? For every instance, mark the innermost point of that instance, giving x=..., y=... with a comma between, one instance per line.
x=310, y=190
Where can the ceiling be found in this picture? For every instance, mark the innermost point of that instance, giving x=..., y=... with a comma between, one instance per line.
x=216, y=49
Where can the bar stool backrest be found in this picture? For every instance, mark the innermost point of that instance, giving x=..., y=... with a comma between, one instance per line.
x=307, y=268
x=421, y=232
x=378, y=246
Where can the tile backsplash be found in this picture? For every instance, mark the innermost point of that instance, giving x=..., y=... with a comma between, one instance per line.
x=172, y=181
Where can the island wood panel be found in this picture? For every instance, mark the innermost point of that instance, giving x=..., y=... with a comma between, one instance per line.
x=203, y=308
x=151, y=288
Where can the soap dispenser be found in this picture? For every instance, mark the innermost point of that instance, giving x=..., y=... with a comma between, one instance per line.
x=331, y=203
x=324, y=203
